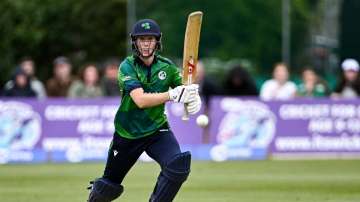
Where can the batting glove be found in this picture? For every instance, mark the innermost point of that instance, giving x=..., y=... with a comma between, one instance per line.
x=184, y=94
x=194, y=106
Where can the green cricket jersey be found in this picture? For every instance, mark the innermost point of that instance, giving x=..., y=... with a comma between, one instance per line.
x=130, y=121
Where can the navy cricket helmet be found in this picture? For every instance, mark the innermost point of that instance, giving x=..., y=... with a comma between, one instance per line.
x=146, y=27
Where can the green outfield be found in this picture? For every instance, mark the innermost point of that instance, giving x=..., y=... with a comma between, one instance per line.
x=248, y=181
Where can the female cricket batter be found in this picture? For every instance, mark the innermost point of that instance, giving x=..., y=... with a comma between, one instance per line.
x=140, y=122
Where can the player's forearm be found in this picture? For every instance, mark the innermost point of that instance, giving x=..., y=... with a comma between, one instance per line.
x=153, y=99
x=146, y=100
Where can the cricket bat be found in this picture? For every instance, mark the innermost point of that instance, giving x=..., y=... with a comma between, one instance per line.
x=191, y=49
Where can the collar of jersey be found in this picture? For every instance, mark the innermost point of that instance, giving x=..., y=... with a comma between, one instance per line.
x=142, y=64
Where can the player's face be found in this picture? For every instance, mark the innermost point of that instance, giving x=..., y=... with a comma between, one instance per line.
x=146, y=45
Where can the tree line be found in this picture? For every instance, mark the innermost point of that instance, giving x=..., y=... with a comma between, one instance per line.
x=90, y=30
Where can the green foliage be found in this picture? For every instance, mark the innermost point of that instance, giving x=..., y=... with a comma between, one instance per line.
x=231, y=29
x=90, y=30
x=43, y=29
x=349, y=37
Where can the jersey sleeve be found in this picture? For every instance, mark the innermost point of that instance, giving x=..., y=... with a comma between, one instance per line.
x=127, y=77
x=177, y=76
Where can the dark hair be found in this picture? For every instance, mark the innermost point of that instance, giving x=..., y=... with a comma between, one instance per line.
x=308, y=68
x=110, y=62
x=26, y=58
x=247, y=85
x=341, y=85
x=20, y=71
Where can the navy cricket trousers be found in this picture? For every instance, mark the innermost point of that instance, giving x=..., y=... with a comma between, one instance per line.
x=123, y=152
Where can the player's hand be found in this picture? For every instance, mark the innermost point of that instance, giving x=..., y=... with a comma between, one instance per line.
x=194, y=106
x=184, y=94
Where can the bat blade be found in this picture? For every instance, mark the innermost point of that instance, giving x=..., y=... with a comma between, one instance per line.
x=191, y=49
x=191, y=45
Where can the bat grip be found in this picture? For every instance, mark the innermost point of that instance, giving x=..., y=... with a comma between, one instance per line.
x=189, y=81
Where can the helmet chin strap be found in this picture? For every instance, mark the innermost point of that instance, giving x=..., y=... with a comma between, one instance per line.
x=146, y=57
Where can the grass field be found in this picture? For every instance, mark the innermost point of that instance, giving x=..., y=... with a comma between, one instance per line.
x=248, y=181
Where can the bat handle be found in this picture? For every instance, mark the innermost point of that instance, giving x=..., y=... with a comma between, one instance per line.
x=185, y=116
x=189, y=81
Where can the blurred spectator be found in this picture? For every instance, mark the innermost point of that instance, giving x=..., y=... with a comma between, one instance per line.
x=349, y=85
x=88, y=85
x=239, y=82
x=59, y=84
x=21, y=85
x=207, y=86
x=109, y=82
x=312, y=85
x=28, y=67
x=278, y=88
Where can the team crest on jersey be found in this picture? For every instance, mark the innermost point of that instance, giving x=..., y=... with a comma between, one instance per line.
x=127, y=78
x=162, y=75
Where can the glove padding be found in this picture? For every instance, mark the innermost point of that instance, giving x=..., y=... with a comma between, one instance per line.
x=194, y=106
x=184, y=94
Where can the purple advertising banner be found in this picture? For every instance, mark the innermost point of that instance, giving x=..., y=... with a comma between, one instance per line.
x=70, y=129
x=302, y=128
x=78, y=130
